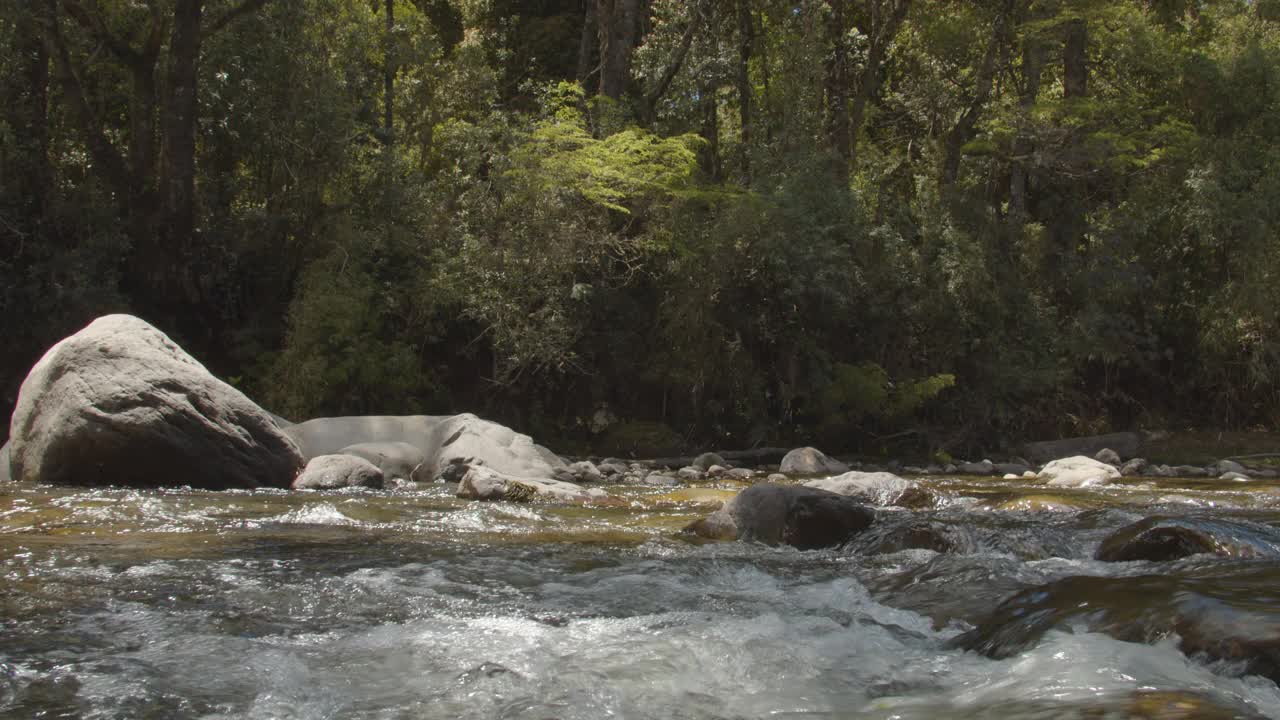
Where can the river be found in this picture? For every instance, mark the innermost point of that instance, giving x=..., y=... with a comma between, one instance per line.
x=415, y=604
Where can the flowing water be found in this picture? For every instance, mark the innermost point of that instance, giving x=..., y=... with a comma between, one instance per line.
x=414, y=604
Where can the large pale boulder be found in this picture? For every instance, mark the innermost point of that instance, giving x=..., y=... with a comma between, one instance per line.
x=810, y=461
x=119, y=403
x=441, y=438
x=396, y=460
x=483, y=483
x=4, y=463
x=876, y=488
x=1078, y=471
x=327, y=472
x=795, y=515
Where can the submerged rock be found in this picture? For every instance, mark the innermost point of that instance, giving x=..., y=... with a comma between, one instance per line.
x=119, y=403
x=1169, y=538
x=483, y=483
x=1078, y=471
x=328, y=472
x=802, y=517
x=810, y=461
x=892, y=535
x=1225, y=611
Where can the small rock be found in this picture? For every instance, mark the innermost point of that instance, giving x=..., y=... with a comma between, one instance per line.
x=803, y=517
x=1226, y=466
x=1238, y=477
x=1078, y=471
x=1029, y=474
x=1010, y=476
x=810, y=461
x=586, y=471
x=740, y=474
x=1108, y=456
x=1133, y=468
x=482, y=483
x=983, y=467
x=1189, y=471
x=327, y=472
x=776, y=478
x=453, y=472
x=913, y=470
x=716, y=471
x=879, y=488
x=660, y=479
x=609, y=469
x=950, y=469
x=706, y=460
x=689, y=474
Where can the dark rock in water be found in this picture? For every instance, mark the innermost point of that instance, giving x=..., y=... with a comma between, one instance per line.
x=328, y=472
x=396, y=460
x=891, y=535
x=803, y=517
x=1225, y=611
x=119, y=403
x=454, y=472
x=440, y=438
x=810, y=461
x=1134, y=467
x=1124, y=444
x=1159, y=539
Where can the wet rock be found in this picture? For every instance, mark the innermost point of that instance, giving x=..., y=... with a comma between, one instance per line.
x=982, y=467
x=1158, y=539
x=689, y=474
x=1234, y=476
x=716, y=471
x=482, y=483
x=454, y=472
x=441, y=438
x=660, y=479
x=611, y=469
x=890, y=536
x=879, y=488
x=1078, y=471
x=1224, y=611
x=706, y=460
x=119, y=403
x=740, y=474
x=776, y=478
x=583, y=471
x=1125, y=444
x=396, y=460
x=328, y=472
x=1188, y=471
x=802, y=517
x=917, y=497
x=1133, y=468
x=1108, y=456
x=1226, y=466
x=810, y=461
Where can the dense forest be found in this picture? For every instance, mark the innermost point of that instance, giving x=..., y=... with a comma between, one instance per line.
x=631, y=225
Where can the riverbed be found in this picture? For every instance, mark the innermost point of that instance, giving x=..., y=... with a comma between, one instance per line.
x=414, y=604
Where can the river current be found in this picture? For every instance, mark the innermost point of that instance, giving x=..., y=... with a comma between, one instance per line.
x=415, y=604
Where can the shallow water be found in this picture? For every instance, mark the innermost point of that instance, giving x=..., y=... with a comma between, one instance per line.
x=414, y=604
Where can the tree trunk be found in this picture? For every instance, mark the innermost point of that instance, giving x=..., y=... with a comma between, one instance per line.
x=178, y=170
x=710, y=155
x=746, y=42
x=962, y=132
x=588, y=44
x=30, y=94
x=389, y=75
x=885, y=22
x=618, y=29
x=837, y=87
x=1032, y=69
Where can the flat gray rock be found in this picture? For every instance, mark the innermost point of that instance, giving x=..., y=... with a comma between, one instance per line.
x=119, y=403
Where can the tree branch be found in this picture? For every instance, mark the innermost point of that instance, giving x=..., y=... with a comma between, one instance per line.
x=677, y=60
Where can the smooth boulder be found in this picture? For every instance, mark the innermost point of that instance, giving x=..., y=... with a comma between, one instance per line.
x=1078, y=471
x=810, y=461
x=483, y=483
x=329, y=472
x=396, y=460
x=441, y=438
x=876, y=488
x=119, y=403
x=802, y=517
